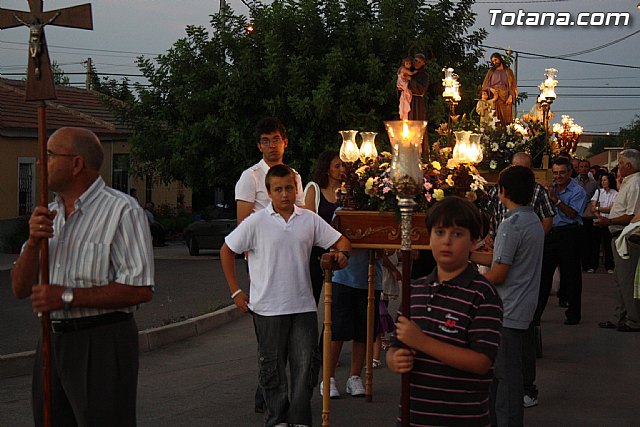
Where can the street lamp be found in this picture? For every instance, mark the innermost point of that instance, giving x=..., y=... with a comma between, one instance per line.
x=546, y=98
x=568, y=133
x=451, y=95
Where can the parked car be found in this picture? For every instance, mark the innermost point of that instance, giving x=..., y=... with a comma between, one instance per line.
x=207, y=234
x=210, y=233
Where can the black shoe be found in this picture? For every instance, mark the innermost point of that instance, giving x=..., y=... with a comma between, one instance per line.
x=563, y=303
x=572, y=322
x=607, y=325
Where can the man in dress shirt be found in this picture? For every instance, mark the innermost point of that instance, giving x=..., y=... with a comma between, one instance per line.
x=626, y=317
x=559, y=251
x=100, y=269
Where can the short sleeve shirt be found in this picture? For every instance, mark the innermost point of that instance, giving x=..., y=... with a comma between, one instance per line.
x=105, y=239
x=252, y=188
x=519, y=243
x=541, y=203
x=465, y=312
x=279, y=253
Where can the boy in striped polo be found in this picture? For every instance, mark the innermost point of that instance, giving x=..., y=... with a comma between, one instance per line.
x=453, y=331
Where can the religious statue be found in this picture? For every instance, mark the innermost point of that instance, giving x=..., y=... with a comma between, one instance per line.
x=35, y=39
x=500, y=82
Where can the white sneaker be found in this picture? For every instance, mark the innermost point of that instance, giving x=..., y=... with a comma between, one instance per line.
x=530, y=401
x=355, y=387
x=333, y=389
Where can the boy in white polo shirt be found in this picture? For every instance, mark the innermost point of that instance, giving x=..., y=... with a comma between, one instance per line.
x=279, y=240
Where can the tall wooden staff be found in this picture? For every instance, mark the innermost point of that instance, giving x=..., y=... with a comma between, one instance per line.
x=40, y=88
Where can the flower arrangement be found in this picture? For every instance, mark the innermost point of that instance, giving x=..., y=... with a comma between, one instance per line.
x=373, y=190
x=501, y=143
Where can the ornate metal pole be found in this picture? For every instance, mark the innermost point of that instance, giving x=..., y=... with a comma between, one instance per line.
x=407, y=177
x=407, y=205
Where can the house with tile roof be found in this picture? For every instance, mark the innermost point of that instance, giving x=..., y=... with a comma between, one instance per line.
x=73, y=107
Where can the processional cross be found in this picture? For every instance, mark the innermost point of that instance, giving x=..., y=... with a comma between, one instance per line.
x=41, y=87
x=40, y=84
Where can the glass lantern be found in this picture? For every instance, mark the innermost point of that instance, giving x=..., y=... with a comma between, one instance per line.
x=349, y=152
x=406, y=140
x=368, y=148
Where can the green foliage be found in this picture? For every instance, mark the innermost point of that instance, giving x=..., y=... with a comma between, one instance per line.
x=599, y=144
x=59, y=77
x=320, y=66
x=630, y=134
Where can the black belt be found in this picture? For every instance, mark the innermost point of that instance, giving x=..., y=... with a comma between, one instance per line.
x=60, y=326
x=565, y=227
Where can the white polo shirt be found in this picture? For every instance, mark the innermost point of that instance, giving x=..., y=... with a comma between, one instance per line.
x=279, y=254
x=251, y=187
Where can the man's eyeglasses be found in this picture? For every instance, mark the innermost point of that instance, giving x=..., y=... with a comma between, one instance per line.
x=275, y=141
x=51, y=154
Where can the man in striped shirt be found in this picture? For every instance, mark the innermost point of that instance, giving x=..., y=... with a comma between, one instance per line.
x=100, y=269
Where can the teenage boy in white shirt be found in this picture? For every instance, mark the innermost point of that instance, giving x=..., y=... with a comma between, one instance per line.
x=279, y=240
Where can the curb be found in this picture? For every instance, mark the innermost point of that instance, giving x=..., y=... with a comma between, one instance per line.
x=18, y=364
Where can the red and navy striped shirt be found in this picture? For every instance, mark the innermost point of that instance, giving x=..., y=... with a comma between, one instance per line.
x=466, y=312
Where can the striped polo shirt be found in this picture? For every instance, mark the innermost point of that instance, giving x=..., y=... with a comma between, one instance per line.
x=105, y=239
x=466, y=312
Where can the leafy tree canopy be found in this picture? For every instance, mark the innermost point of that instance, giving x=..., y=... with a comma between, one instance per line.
x=628, y=137
x=319, y=65
x=630, y=134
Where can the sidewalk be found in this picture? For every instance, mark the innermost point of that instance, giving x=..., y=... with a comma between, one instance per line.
x=588, y=377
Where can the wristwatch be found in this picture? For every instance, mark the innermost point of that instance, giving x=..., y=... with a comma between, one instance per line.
x=67, y=298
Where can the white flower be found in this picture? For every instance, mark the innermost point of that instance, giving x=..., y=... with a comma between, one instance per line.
x=495, y=147
x=493, y=164
x=510, y=144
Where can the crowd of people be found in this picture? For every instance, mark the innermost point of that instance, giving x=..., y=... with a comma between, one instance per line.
x=468, y=344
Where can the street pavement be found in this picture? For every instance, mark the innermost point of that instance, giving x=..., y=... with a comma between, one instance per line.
x=186, y=286
x=587, y=377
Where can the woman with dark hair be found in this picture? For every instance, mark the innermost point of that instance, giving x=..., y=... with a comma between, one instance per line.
x=601, y=205
x=320, y=197
x=501, y=84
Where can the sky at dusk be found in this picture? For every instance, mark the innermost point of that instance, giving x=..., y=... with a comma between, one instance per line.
x=601, y=97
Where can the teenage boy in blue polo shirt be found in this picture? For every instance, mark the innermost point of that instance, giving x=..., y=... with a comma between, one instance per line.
x=279, y=240
x=515, y=271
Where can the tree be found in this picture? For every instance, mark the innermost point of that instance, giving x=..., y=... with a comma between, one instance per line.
x=59, y=77
x=599, y=144
x=320, y=66
x=630, y=134
x=628, y=137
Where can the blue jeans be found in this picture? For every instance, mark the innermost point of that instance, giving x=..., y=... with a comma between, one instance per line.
x=292, y=339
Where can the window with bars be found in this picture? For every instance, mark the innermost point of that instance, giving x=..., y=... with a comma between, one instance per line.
x=26, y=185
x=120, y=173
